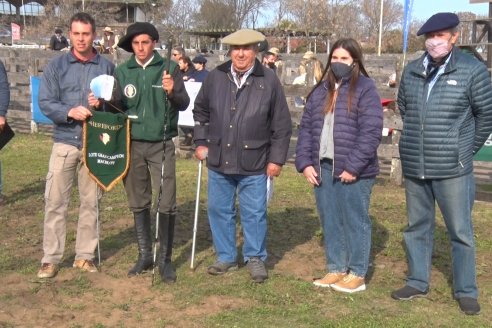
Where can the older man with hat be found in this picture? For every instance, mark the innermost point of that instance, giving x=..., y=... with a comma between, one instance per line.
x=445, y=101
x=242, y=122
x=109, y=41
x=152, y=92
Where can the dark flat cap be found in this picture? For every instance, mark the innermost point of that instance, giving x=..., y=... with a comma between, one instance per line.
x=137, y=29
x=59, y=31
x=199, y=59
x=439, y=22
x=243, y=37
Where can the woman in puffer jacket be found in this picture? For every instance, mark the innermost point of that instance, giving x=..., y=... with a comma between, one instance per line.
x=339, y=134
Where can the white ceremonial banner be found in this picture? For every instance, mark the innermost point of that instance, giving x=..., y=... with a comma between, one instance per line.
x=186, y=117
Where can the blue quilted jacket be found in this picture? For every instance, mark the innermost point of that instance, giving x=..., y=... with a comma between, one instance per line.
x=441, y=133
x=357, y=133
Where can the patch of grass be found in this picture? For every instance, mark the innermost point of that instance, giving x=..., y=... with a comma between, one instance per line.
x=77, y=286
x=487, y=188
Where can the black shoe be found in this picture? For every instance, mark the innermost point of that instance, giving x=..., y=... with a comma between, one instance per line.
x=144, y=242
x=144, y=263
x=407, y=293
x=257, y=269
x=166, y=239
x=167, y=272
x=469, y=305
x=219, y=268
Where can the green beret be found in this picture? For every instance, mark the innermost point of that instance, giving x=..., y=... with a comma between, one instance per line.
x=243, y=38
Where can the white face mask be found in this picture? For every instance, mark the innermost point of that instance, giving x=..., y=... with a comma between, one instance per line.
x=438, y=48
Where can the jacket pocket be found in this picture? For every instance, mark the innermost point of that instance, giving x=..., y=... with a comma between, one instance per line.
x=214, y=151
x=254, y=154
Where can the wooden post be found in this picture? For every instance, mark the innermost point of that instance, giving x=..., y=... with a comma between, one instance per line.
x=396, y=174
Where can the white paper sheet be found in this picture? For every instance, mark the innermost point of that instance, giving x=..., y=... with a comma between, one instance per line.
x=269, y=189
x=102, y=86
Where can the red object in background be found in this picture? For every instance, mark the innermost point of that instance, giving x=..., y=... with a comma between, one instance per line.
x=16, y=33
x=386, y=101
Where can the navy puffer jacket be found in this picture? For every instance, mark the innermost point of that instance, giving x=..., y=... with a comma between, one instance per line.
x=441, y=134
x=356, y=134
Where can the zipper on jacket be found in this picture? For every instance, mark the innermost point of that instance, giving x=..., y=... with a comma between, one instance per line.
x=337, y=86
x=143, y=112
x=422, y=116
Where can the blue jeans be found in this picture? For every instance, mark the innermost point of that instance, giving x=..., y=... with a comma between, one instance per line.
x=455, y=197
x=343, y=209
x=251, y=191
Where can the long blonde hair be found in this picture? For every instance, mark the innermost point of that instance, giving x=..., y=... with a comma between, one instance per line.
x=317, y=70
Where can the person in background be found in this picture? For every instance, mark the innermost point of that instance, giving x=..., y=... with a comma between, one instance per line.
x=339, y=135
x=58, y=41
x=445, y=102
x=186, y=67
x=317, y=70
x=109, y=41
x=312, y=66
x=200, y=72
x=269, y=59
x=4, y=106
x=246, y=137
x=63, y=98
x=177, y=53
x=155, y=96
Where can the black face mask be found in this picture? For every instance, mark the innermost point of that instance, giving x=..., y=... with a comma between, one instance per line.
x=341, y=70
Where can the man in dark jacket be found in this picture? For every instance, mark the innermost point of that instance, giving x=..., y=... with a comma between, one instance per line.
x=63, y=97
x=153, y=92
x=58, y=41
x=242, y=121
x=445, y=100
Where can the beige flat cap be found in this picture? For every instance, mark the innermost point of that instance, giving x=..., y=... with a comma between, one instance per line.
x=243, y=37
x=308, y=55
x=274, y=51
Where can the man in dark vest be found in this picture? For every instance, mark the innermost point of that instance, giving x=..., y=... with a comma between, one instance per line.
x=109, y=42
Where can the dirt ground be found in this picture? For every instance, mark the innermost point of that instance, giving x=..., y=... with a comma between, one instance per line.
x=109, y=298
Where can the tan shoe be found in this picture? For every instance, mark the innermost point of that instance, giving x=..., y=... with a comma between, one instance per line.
x=85, y=265
x=48, y=270
x=350, y=284
x=329, y=279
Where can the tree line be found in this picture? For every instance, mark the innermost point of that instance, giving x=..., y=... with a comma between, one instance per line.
x=330, y=19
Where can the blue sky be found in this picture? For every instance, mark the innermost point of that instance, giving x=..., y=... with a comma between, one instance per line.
x=423, y=9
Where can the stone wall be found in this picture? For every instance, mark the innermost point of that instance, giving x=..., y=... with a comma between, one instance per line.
x=22, y=63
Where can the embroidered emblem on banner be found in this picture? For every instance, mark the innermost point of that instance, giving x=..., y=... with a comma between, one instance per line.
x=105, y=138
